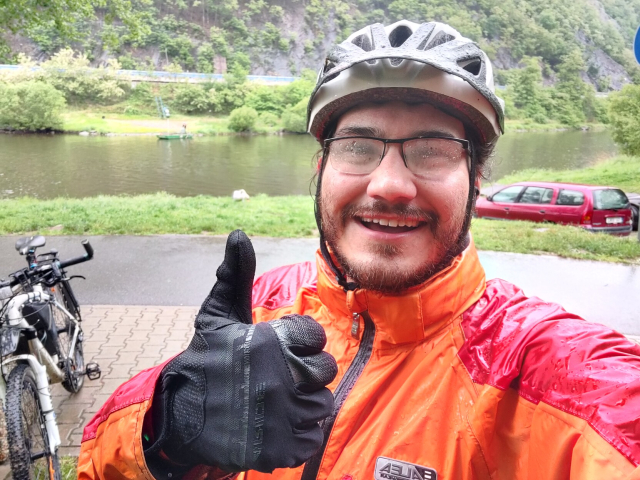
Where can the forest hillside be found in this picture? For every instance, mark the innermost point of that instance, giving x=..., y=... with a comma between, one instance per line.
x=284, y=37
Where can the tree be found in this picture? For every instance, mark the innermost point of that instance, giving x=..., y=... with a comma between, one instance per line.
x=18, y=16
x=572, y=94
x=624, y=116
x=294, y=118
x=527, y=88
x=31, y=106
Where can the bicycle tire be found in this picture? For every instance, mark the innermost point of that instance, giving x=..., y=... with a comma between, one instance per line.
x=72, y=382
x=29, y=451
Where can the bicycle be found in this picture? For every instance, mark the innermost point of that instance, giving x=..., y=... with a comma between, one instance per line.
x=40, y=344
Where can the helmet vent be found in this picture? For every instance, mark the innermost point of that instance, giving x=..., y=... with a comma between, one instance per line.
x=439, y=39
x=473, y=67
x=364, y=42
x=399, y=36
x=328, y=65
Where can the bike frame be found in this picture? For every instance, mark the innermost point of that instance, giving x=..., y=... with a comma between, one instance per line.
x=40, y=361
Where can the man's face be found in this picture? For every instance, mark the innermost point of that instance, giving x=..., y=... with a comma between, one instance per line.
x=359, y=211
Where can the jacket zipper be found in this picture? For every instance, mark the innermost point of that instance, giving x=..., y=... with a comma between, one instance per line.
x=343, y=389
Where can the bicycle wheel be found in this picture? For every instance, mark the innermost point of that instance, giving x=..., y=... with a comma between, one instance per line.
x=29, y=451
x=73, y=365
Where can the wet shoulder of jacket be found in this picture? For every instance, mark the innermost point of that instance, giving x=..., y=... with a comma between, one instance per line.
x=553, y=357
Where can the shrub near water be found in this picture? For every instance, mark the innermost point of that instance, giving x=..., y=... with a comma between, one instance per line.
x=243, y=119
x=31, y=106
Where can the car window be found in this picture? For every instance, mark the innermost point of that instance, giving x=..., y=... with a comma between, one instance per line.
x=536, y=195
x=507, y=195
x=609, y=199
x=570, y=197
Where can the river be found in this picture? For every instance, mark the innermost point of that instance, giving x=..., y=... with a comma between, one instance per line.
x=49, y=166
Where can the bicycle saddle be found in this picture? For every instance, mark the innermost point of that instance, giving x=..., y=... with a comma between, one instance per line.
x=25, y=245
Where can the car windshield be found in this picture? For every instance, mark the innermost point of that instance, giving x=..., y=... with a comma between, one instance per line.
x=609, y=199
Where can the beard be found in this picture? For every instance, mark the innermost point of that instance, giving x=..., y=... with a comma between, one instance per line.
x=383, y=273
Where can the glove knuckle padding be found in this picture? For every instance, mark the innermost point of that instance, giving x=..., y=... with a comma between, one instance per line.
x=301, y=341
x=300, y=330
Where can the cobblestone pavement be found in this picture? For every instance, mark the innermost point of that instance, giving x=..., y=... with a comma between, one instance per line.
x=124, y=340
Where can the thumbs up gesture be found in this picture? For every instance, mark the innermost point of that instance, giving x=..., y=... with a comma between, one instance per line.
x=242, y=396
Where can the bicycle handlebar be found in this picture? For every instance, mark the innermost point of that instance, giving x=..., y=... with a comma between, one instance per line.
x=61, y=264
x=83, y=258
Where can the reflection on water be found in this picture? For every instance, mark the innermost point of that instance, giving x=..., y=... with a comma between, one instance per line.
x=553, y=150
x=69, y=165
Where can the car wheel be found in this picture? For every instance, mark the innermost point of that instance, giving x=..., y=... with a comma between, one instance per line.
x=634, y=212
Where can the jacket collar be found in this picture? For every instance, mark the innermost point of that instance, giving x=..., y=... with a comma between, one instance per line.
x=412, y=316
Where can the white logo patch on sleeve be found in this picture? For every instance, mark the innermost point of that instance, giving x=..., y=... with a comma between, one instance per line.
x=390, y=469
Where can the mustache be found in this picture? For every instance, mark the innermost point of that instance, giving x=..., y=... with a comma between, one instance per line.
x=401, y=210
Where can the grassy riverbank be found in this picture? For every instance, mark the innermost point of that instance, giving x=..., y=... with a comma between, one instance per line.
x=290, y=216
x=111, y=119
x=622, y=171
x=104, y=122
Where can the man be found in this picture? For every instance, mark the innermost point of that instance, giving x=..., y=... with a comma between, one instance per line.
x=393, y=358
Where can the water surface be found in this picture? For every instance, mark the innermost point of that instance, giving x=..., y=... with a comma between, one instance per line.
x=48, y=166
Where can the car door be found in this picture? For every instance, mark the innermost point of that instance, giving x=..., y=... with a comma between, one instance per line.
x=504, y=200
x=532, y=204
x=568, y=208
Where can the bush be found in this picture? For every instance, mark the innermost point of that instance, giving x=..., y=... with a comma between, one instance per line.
x=142, y=95
x=269, y=119
x=191, y=99
x=264, y=98
x=70, y=74
x=624, y=116
x=31, y=106
x=294, y=118
x=243, y=119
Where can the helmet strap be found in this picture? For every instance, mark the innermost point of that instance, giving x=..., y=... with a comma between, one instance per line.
x=324, y=250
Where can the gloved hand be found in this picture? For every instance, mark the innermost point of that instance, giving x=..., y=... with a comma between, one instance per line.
x=242, y=396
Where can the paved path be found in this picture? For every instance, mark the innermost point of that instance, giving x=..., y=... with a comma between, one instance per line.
x=180, y=270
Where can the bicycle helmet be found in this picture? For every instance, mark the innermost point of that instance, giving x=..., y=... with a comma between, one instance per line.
x=406, y=61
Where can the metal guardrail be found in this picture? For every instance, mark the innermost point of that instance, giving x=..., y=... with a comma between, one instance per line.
x=177, y=77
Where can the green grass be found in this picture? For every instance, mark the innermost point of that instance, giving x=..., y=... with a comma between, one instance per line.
x=621, y=171
x=551, y=239
x=290, y=216
x=528, y=125
x=112, y=120
x=68, y=467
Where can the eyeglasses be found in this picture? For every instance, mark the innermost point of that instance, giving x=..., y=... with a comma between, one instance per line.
x=433, y=157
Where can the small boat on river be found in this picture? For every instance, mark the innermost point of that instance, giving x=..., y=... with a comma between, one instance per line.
x=175, y=136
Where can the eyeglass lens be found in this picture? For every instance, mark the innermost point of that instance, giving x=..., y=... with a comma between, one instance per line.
x=433, y=157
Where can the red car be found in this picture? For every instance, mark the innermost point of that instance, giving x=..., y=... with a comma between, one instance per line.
x=598, y=209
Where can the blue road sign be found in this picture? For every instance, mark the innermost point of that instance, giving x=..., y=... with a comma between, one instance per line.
x=636, y=45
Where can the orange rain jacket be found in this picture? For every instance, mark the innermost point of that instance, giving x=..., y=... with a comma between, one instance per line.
x=456, y=379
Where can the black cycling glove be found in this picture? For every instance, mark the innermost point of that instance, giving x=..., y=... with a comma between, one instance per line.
x=242, y=396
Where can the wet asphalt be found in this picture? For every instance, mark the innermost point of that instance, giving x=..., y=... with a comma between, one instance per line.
x=180, y=270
